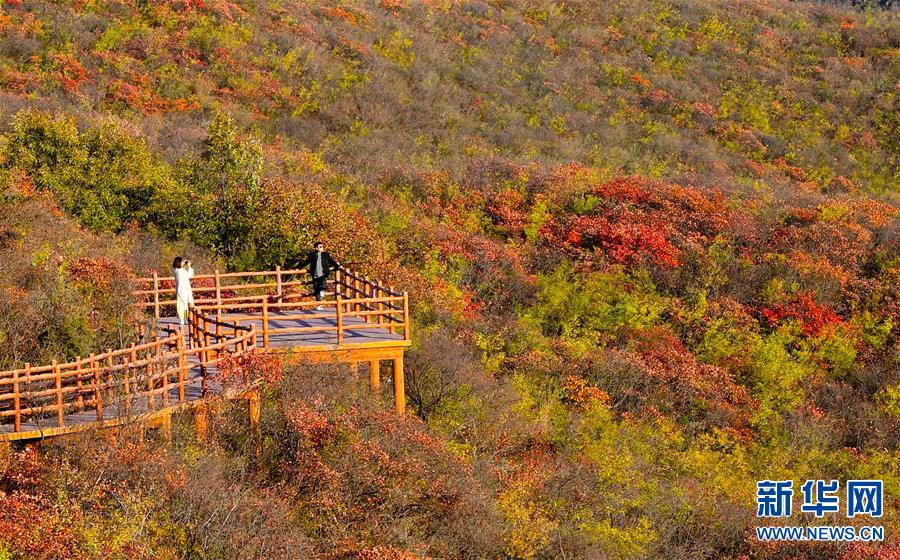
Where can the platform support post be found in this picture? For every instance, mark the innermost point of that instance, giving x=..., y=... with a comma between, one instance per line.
x=375, y=375
x=399, y=387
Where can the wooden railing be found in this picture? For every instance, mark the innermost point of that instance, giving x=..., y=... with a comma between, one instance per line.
x=158, y=293
x=273, y=296
x=147, y=377
x=113, y=385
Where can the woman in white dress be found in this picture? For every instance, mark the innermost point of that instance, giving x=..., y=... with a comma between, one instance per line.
x=184, y=296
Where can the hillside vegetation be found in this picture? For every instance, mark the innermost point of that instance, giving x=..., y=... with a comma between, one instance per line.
x=651, y=249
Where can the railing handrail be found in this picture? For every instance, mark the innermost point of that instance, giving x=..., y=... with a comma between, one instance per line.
x=32, y=370
x=244, y=274
x=97, y=381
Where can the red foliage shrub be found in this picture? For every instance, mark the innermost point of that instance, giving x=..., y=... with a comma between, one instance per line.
x=635, y=220
x=71, y=73
x=135, y=96
x=495, y=272
x=385, y=553
x=239, y=371
x=688, y=382
x=507, y=210
x=866, y=551
x=362, y=467
x=812, y=317
x=30, y=524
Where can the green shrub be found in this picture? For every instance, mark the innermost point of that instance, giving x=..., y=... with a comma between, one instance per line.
x=588, y=310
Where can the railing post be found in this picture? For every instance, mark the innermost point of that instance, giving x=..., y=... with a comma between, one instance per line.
x=218, y=289
x=218, y=333
x=164, y=371
x=375, y=375
x=98, y=399
x=279, y=293
x=364, y=305
x=182, y=367
x=265, y=322
x=338, y=282
x=340, y=319
x=205, y=340
x=17, y=405
x=57, y=378
x=190, y=324
x=132, y=361
x=109, y=364
x=155, y=295
x=390, y=314
x=126, y=388
x=405, y=316
x=377, y=304
x=79, y=399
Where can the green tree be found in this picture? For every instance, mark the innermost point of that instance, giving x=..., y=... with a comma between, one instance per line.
x=104, y=177
x=227, y=179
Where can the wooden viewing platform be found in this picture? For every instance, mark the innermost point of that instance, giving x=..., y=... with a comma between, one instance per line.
x=235, y=314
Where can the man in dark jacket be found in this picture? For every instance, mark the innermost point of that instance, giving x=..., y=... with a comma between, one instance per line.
x=319, y=264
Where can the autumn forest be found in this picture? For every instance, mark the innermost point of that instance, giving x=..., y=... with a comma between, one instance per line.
x=651, y=250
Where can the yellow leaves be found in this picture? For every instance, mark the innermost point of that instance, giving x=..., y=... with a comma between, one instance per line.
x=492, y=354
x=396, y=48
x=714, y=29
x=529, y=518
x=604, y=442
x=301, y=161
x=625, y=543
x=888, y=400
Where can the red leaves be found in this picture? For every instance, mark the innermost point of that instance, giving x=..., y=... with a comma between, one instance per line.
x=629, y=238
x=311, y=422
x=871, y=551
x=385, y=553
x=98, y=271
x=636, y=221
x=507, y=210
x=133, y=96
x=812, y=317
x=71, y=73
x=684, y=382
x=31, y=524
x=248, y=368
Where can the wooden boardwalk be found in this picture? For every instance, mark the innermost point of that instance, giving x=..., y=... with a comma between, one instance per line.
x=268, y=312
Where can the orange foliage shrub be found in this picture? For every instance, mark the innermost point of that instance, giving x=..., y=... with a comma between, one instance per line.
x=100, y=273
x=579, y=394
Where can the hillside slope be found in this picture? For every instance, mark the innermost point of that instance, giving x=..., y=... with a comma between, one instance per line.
x=651, y=247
